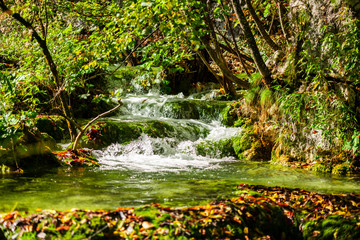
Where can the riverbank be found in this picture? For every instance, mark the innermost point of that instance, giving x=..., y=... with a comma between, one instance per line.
x=257, y=213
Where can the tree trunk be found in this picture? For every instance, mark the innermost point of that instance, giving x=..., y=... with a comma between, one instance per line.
x=50, y=63
x=259, y=62
x=217, y=57
x=281, y=14
x=260, y=27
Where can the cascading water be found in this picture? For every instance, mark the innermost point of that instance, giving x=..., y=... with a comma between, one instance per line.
x=164, y=154
x=166, y=169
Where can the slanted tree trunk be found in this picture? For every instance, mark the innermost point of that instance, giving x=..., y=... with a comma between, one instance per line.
x=217, y=57
x=212, y=47
x=261, y=27
x=259, y=62
x=50, y=63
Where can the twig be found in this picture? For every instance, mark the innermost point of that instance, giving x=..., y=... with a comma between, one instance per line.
x=99, y=231
x=77, y=139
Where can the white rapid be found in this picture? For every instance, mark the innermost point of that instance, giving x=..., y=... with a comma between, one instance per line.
x=147, y=154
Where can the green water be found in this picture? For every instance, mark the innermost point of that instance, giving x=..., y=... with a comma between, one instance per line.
x=108, y=189
x=164, y=170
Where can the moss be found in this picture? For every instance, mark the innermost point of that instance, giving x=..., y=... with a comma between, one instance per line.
x=242, y=143
x=102, y=134
x=252, y=147
x=180, y=110
x=219, y=149
x=334, y=227
x=209, y=110
x=48, y=140
x=53, y=125
x=321, y=168
x=157, y=129
x=227, y=118
x=233, y=117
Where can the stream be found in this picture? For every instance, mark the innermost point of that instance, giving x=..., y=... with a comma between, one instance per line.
x=165, y=170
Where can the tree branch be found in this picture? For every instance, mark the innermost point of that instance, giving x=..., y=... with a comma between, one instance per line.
x=260, y=27
x=77, y=139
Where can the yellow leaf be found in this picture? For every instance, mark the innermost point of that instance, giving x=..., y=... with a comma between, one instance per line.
x=147, y=225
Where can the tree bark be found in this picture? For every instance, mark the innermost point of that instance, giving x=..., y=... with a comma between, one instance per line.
x=217, y=57
x=259, y=62
x=49, y=61
x=281, y=14
x=261, y=27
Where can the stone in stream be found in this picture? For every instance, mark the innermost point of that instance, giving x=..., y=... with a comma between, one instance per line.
x=104, y=133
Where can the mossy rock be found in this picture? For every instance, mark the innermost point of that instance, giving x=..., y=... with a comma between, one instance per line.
x=193, y=109
x=231, y=114
x=249, y=147
x=216, y=149
x=209, y=110
x=242, y=143
x=53, y=125
x=333, y=227
x=103, y=133
x=49, y=141
x=157, y=129
x=180, y=110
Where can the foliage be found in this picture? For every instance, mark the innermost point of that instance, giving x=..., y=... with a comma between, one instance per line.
x=320, y=110
x=78, y=158
x=354, y=144
x=319, y=216
x=258, y=213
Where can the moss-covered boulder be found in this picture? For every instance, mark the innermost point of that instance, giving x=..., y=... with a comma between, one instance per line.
x=193, y=109
x=55, y=126
x=216, y=149
x=29, y=150
x=180, y=110
x=231, y=113
x=104, y=133
x=251, y=146
x=210, y=110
